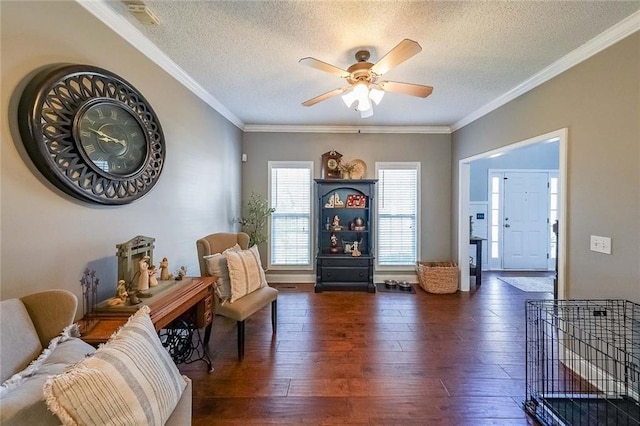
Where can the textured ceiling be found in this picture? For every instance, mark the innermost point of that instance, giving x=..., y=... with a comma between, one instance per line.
x=245, y=53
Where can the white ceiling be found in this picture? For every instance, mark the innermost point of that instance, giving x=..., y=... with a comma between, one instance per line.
x=242, y=56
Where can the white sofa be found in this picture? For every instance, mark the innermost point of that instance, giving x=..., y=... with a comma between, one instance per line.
x=27, y=326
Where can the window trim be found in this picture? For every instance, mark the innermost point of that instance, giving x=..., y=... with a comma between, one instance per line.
x=312, y=225
x=399, y=165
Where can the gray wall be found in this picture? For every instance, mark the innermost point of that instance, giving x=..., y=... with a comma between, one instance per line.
x=48, y=238
x=433, y=151
x=542, y=156
x=599, y=102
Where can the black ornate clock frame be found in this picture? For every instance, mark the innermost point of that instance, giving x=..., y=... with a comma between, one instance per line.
x=47, y=111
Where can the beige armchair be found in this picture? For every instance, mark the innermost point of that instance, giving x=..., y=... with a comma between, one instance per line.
x=246, y=306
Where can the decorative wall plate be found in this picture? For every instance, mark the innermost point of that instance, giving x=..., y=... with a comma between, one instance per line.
x=359, y=170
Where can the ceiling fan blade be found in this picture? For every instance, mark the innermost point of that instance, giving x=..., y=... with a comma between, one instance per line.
x=403, y=51
x=324, y=96
x=323, y=66
x=406, y=88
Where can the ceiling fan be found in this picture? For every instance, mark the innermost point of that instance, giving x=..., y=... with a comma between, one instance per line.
x=363, y=76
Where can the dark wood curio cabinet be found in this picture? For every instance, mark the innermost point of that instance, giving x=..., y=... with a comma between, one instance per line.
x=345, y=252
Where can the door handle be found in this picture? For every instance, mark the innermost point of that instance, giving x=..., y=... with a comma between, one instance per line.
x=506, y=225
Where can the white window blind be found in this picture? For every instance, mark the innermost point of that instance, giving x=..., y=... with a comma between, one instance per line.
x=397, y=214
x=290, y=195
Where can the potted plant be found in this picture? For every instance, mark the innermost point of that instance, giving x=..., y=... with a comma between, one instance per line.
x=347, y=169
x=255, y=218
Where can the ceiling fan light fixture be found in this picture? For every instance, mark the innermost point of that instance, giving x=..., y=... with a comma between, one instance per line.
x=367, y=113
x=361, y=93
x=376, y=94
x=362, y=77
x=364, y=104
x=349, y=98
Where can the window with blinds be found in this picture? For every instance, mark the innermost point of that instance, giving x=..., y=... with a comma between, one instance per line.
x=290, y=188
x=398, y=200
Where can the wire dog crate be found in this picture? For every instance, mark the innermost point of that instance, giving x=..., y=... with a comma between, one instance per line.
x=583, y=362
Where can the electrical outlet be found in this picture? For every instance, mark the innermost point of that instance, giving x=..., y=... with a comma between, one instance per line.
x=600, y=244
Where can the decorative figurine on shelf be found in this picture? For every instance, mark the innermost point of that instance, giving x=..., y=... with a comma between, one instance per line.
x=331, y=203
x=121, y=294
x=182, y=272
x=347, y=247
x=355, y=252
x=337, y=202
x=133, y=299
x=336, y=223
x=143, y=278
x=153, y=280
x=334, y=244
x=164, y=269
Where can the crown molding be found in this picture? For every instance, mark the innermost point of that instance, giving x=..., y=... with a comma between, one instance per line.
x=133, y=36
x=622, y=29
x=258, y=128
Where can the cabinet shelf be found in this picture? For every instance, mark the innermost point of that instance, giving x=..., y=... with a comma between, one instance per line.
x=342, y=231
x=345, y=208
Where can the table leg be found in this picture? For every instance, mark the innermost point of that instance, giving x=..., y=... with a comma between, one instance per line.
x=478, y=263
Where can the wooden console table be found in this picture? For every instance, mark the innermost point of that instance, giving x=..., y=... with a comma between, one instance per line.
x=169, y=301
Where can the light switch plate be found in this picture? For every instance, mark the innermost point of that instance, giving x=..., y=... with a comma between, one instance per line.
x=600, y=244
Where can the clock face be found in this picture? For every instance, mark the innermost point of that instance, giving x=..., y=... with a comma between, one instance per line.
x=91, y=133
x=111, y=137
x=332, y=164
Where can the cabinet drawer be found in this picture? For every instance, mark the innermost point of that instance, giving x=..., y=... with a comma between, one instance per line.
x=204, y=312
x=350, y=262
x=345, y=274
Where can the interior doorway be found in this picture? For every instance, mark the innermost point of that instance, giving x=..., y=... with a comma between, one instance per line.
x=464, y=172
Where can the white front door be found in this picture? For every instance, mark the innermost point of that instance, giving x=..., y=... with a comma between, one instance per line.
x=525, y=220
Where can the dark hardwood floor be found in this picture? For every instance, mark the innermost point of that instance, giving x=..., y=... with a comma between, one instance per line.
x=371, y=359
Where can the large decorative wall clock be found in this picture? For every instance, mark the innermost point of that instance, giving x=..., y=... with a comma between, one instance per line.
x=91, y=133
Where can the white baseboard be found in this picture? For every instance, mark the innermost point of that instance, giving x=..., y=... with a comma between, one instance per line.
x=303, y=278
x=594, y=375
x=380, y=277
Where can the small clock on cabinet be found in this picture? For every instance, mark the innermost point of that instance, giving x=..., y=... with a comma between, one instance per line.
x=331, y=165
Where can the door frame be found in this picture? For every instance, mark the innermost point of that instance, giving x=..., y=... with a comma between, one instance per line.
x=464, y=173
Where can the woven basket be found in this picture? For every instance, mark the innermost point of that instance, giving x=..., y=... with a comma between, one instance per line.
x=438, y=277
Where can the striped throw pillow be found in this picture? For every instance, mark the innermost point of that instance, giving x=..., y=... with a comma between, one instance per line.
x=129, y=380
x=245, y=272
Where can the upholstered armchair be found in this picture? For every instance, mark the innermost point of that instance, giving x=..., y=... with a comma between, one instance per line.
x=242, y=308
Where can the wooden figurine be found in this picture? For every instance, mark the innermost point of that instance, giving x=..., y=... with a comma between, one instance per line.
x=143, y=278
x=121, y=294
x=164, y=269
x=153, y=280
x=355, y=252
x=182, y=272
x=336, y=223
